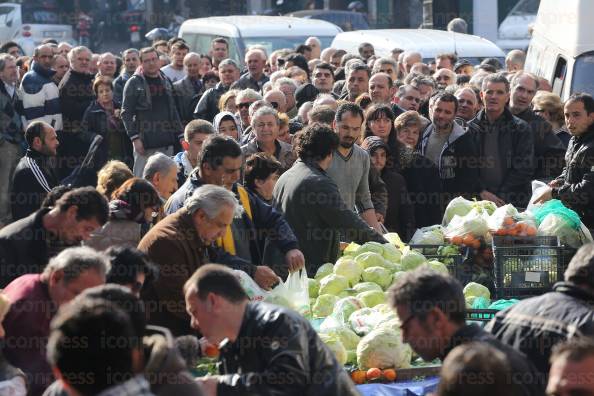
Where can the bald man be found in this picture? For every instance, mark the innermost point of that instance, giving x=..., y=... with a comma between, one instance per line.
x=316, y=47
x=409, y=59
x=107, y=65
x=255, y=59
x=277, y=99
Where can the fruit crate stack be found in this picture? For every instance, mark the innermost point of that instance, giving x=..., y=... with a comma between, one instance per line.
x=445, y=255
x=527, y=266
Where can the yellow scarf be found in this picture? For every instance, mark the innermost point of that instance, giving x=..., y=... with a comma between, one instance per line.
x=227, y=242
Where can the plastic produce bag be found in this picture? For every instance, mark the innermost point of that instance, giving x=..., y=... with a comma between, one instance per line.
x=500, y=305
x=538, y=188
x=556, y=207
x=298, y=291
x=458, y=206
x=558, y=225
x=432, y=235
x=474, y=223
x=251, y=288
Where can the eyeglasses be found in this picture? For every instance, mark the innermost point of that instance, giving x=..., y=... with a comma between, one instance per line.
x=244, y=105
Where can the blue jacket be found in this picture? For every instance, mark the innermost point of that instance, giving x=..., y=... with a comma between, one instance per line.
x=41, y=98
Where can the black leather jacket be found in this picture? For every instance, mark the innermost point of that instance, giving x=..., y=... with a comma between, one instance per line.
x=535, y=325
x=277, y=352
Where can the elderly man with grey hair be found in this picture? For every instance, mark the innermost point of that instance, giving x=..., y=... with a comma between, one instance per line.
x=161, y=171
x=386, y=65
x=181, y=243
x=265, y=126
x=288, y=87
x=107, y=65
x=243, y=100
x=255, y=59
x=35, y=299
x=208, y=105
x=316, y=47
x=514, y=61
x=188, y=90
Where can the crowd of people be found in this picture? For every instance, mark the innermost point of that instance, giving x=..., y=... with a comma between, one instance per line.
x=164, y=161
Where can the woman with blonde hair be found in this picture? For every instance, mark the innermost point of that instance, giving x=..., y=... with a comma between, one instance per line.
x=12, y=380
x=550, y=107
x=112, y=176
x=227, y=101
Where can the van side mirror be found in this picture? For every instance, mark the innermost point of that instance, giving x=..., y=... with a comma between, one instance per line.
x=9, y=23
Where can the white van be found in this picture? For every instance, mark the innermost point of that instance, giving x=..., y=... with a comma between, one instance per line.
x=426, y=41
x=243, y=31
x=562, y=46
x=29, y=23
x=514, y=30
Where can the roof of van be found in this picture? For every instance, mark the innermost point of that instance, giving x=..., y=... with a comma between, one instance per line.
x=426, y=41
x=263, y=26
x=567, y=23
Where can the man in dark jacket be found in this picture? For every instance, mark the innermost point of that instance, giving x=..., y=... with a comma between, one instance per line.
x=76, y=94
x=27, y=244
x=533, y=326
x=149, y=113
x=189, y=89
x=549, y=151
x=258, y=226
x=432, y=313
x=131, y=62
x=453, y=150
x=208, y=105
x=11, y=130
x=312, y=204
x=182, y=242
x=34, y=175
x=255, y=78
x=575, y=186
x=265, y=349
x=506, y=147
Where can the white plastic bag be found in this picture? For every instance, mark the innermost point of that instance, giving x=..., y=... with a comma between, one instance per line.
x=298, y=292
x=538, y=188
x=251, y=288
x=474, y=223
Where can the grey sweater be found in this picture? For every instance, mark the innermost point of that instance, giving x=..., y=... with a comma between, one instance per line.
x=351, y=174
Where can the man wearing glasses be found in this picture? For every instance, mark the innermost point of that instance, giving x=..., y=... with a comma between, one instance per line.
x=243, y=100
x=432, y=312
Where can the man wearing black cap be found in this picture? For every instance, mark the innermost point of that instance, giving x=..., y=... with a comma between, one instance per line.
x=536, y=324
x=463, y=67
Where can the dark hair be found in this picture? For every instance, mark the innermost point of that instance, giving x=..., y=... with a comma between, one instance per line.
x=260, y=166
x=486, y=67
x=325, y=65
x=121, y=297
x=147, y=50
x=217, y=279
x=492, y=62
x=423, y=289
x=496, y=78
x=299, y=61
x=575, y=350
x=462, y=79
x=49, y=41
x=359, y=67
x=126, y=263
x=449, y=55
x=91, y=204
x=210, y=75
x=364, y=101
x=585, y=98
x=348, y=107
x=139, y=195
x=444, y=97
x=179, y=45
x=35, y=129
x=55, y=194
x=174, y=40
x=302, y=49
x=465, y=364
x=363, y=45
x=316, y=142
x=216, y=148
x=96, y=320
x=219, y=40
x=160, y=43
x=375, y=112
x=7, y=45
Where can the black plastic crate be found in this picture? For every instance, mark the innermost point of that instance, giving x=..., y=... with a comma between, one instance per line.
x=454, y=262
x=527, y=266
x=480, y=315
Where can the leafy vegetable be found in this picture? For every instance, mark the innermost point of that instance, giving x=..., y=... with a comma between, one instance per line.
x=324, y=305
x=382, y=348
x=334, y=344
x=372, y=298
x=438, y=266
x=345, y=307
x=366, y=286
x=333, y=284
x=324, y=270
x=314, y=288
x=457, y=206
x=370, y=259
x=411, y=260
x=474, y=289
x=349, y=269
x=378, y=275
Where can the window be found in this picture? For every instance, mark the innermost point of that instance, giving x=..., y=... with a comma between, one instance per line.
x=5, y=14
x=582, y=74
x=559, y=77
x=525, y=7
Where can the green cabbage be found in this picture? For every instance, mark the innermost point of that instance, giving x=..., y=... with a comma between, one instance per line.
x=438, y=266
x=378, y=275
x=347, y=337
x=394, y=239
x=372, y=298
x=374, y=247
x=314, y=288
x=391, y=253
x=370, y=259
x=411, y=260
x=364, y=320
x=432, y=235
x=323, y=270
x=277, y=300
x=334, y=344
x=349, y=269
x=351, y=357
x=333, y=284
x=351, y=249
x=345, y=307
x=397, y=276
x=457, y=206
x=474, y=289
x=324, y=305
x=382, y=348
x=366, y=286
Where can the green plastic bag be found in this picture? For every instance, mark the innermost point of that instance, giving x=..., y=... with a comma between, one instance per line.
x=556, y=207
x=500, y=305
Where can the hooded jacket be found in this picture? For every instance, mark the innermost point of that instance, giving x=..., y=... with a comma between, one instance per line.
x=155, y=127
x=41, y=97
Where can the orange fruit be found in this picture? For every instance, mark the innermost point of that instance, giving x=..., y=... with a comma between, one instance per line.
x=389, y=374
x=373, y=373
x=468, y=240
x=457, y=240
x=531, y=231
x=508, y=220
x=211, y=351
x=358, y=377
x=475, y=244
